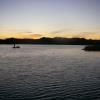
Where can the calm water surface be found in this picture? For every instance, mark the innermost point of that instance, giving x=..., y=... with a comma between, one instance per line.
x=49, y=72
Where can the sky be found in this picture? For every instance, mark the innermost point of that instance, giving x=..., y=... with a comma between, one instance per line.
x=50, y=18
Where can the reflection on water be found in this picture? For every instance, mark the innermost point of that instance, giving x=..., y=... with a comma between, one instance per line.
x=49, y=72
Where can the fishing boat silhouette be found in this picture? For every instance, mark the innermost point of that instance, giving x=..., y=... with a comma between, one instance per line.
x=15, y=44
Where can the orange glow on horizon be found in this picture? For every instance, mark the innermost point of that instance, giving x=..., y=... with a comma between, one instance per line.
x=22, y=35
x=38, y=36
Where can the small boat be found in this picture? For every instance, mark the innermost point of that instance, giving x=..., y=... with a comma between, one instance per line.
x=15, y=45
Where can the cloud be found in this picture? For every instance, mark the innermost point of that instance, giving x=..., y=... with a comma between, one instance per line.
x=21, y=34
x=13, y=30
x=57, y=32
x=89, y=35
x=30, y=34
x=35, y=36
x=26, y=32
x=25, y=35
x=6, y=32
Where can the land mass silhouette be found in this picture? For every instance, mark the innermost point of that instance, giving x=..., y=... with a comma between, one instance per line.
x=92, y=48
x=51, y=41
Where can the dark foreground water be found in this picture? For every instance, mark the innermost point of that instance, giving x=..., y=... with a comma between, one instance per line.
x=49, y=72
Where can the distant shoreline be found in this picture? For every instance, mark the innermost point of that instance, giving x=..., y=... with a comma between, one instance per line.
x=51, y=41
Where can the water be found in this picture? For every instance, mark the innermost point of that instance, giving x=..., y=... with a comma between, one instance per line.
x=49, y=72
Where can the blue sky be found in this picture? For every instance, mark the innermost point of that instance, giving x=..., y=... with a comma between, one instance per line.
x=65, y=18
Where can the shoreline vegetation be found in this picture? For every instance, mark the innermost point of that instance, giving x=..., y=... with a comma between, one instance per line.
x=56, y=41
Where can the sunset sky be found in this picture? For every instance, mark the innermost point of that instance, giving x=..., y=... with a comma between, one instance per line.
x=50, y=18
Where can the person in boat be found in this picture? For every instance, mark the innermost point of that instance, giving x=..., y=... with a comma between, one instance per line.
x=15, y=44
